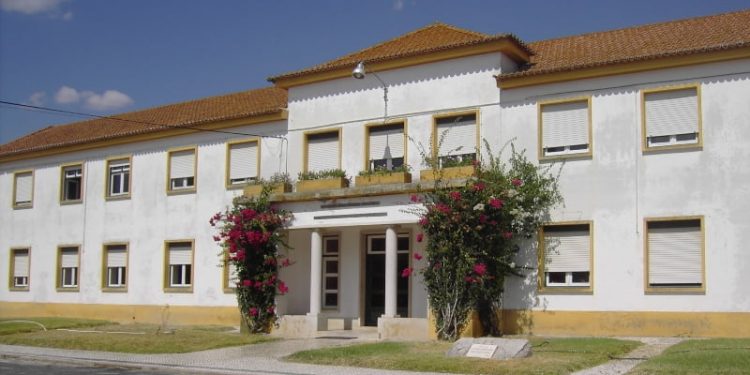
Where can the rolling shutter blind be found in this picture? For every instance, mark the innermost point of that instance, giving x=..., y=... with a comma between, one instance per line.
x=323, y=152
x=119, y=163
x=182, y=164
x=565, y=124
x=23, y=187
x=116, y=256
x=671, y=112
x=674, y=255
x=243, y=160
x=69, y=258
x=21, y=263
x=461, y=136
x=180, y=253
x=391, y=137
x=566, y=251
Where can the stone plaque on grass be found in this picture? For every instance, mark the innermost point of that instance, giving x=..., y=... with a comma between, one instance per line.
x=490, y=348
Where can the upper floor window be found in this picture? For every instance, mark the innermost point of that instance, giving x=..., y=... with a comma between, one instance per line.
x=243, y=163
x=455, y=139
x=23, y=189
x=182, y=170
x=322, y=151
x=672, y=117
x=118, y=178
x=72, y=183
x=566, y=259
x=385, y=146
x=674, y=254
x=19, y=269
x=565, y=128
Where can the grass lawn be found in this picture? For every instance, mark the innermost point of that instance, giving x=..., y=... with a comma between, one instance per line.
x=714, y=356
x=130, y=338
x=21, y=325
x=551, y=356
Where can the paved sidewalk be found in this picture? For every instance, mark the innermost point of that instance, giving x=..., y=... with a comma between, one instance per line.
x=251, y=359
x=653, y=346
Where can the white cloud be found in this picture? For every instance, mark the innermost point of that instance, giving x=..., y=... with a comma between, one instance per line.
x=67, y=95
x=398, y=5
x=37, y=98
x=30, y=7
x=110, y=99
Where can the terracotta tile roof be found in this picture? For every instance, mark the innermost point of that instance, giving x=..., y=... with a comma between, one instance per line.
x=257, y=102
x=675, y=38
x=432, y=38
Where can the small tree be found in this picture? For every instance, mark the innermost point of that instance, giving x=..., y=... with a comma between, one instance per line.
x=473, y=232
x=250, y=237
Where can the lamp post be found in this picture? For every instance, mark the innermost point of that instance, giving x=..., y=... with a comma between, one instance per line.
x=360, y=73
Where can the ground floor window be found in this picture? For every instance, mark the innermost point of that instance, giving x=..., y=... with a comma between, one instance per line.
x=674, y=254
x=179, y=272
x=69, y=263
x=115, y=257
x=331, y=272
x=19, y=268
x=566, y=259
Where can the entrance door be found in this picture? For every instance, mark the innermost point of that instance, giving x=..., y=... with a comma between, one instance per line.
x=375, y=278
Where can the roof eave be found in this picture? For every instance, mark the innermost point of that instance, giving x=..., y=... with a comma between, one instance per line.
x=516, y=80
x=174, y=130
x=507, y=45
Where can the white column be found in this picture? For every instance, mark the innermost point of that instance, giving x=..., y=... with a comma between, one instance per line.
x=391, y=272
x=316, y=271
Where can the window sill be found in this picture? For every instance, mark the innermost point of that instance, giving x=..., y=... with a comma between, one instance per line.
x=668, y=148
x=68, y=289
x=77, y=201
x=182, y=191
x=673, y=290
x=115, y=289
x=117, y=197
x=566, y=290
x=23, y=206
x=19, y=289
x=578, y=156
x=174, y=289
x=229, y=290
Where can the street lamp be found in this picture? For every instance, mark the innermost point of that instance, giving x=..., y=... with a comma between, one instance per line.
x=359, y=72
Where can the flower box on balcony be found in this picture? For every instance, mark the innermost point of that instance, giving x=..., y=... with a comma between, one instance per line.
x=254, y=190
x=383, y=179
x=322, y=184
x=447, y=173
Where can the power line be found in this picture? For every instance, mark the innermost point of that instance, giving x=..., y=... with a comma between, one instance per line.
x=83, y=114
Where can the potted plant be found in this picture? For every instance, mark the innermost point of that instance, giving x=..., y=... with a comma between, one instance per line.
x=382, y=176
x=322, y=180
x=449, y=167
x=278, y=183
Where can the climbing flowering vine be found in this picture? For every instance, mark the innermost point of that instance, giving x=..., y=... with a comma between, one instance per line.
x=250, y=235
x=473, y=232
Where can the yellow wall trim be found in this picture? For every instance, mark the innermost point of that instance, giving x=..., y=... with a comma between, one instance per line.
x=622, y=323
x=503, y=45
x=152, y=314
x=622, y=68
x=176, y=131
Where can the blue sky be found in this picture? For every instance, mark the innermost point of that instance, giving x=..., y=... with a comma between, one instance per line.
x=107, y=57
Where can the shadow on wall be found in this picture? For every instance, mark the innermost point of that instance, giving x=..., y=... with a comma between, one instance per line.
x=521, y=294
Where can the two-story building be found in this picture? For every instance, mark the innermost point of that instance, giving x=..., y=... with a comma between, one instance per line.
x=109, y=217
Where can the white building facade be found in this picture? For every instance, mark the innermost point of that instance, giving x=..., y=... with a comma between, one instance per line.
x=653, y=176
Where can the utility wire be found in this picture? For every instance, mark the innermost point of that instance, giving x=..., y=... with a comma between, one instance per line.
x=82, y=114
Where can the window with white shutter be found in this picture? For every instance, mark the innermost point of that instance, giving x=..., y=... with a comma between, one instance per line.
x=566, y=260
x=69, y=266
x=386, y=146
x=72, y=183
x=23, y=189
x=179, y=264
x=182, y=170
x=456, y=139
x=322, y=151
x=116, y=262
x=243, y=163
x=20, y=269
x=564, y=128
x=674, y=251
x=672, y=117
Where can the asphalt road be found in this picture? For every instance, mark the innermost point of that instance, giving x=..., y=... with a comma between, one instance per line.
x=10, y=366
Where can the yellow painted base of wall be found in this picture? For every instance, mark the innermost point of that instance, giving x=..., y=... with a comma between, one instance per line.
x=620, y=323
x=152, y=314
